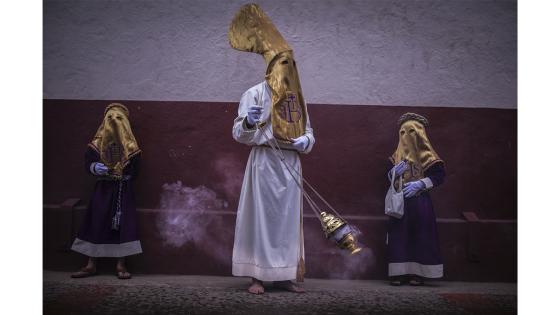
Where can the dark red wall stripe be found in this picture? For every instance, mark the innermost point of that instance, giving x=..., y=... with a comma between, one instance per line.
x=191, y=142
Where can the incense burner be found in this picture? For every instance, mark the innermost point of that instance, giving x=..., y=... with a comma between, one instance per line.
x=337, y=229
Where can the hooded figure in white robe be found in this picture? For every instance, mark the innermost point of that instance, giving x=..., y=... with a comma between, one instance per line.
x=268, y=242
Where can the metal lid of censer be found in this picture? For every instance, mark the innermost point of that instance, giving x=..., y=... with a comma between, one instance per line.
x=338, y=230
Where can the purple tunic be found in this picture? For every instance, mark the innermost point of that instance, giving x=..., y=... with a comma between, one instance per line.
x=413, y=242
x=96, y=238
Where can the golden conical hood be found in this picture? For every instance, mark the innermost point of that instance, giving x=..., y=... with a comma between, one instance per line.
x=252, y=30
x=114, y=140
x=414, y=147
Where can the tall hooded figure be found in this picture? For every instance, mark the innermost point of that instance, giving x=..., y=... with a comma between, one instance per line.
x=268, y=242
x=109, y=227
x=412, y=240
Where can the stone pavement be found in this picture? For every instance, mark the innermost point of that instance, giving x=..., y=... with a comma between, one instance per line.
x=181, y=294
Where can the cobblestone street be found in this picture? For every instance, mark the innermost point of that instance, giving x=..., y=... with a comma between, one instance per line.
x=180, y=294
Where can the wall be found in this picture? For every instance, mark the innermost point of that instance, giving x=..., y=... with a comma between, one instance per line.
x=362, y=64
x=428, y=53
x=184, y=141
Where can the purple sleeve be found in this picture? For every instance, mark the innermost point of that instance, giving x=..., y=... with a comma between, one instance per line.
x=436, y=173
x=90, y=157
x=133, y=167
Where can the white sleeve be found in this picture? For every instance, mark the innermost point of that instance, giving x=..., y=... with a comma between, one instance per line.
x=427, y=182
x=241, y=133
x=309, y=134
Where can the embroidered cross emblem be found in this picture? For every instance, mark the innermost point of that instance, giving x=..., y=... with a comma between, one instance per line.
x=290, y=110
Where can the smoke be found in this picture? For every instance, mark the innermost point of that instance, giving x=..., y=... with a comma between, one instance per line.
x=189, y=216
x=338, y=263
x=196, y=216
x=352, y=266
x=229, y=168
x=357, y=265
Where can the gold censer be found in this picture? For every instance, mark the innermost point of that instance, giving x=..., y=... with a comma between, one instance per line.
x=338, y=230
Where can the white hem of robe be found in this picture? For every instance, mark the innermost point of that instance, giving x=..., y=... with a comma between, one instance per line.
x=106, y=250
x=414, y=268
x=264, y=274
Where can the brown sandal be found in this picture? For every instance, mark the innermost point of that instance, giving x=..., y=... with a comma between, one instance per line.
x=84, y=273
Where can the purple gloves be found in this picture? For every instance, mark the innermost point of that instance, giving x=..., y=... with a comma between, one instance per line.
x=399, y=169
x=254, y=114
x=412, y=188
x=300, y=143
x=99, y=168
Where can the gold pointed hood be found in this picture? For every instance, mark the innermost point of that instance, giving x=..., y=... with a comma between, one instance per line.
x=252, y=30
x=114, y=140
x=414, y=146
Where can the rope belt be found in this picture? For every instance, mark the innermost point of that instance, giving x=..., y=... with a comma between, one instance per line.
x=116, y=221
x=280, y=148
x=115, y=178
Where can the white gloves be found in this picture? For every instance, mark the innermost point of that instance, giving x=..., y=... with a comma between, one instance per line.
x=254, y=115
x=99, y=168
x=300, y=143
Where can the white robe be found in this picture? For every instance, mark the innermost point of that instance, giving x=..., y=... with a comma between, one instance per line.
x=268, y=232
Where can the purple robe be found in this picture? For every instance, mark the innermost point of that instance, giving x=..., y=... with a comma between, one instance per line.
x=413, y=242
x=96, y=238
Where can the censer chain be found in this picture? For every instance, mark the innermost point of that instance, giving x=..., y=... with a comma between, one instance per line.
x=278, y=151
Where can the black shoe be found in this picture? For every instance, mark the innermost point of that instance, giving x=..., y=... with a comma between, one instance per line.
x=416, y=281
x=398, y=280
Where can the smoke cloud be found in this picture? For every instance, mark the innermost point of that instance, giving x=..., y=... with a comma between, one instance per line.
x=353, y=266
x=196, y=216
x=337, y=263
x=189, y=216
x=230, y=170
